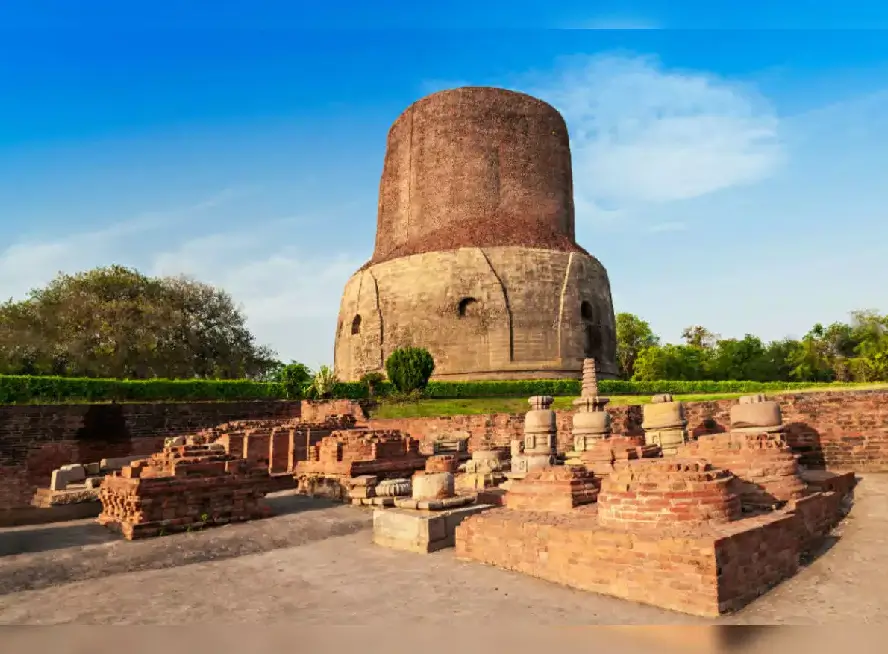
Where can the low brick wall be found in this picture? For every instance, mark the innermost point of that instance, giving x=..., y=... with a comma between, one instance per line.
x=705, y=573
x=841, y=430
x=36, y=439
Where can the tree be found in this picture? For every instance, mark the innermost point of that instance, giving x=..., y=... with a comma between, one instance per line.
x=323, y=383
x=409, y=368
x=811, y=360
x=116, y=322
x=699, y=336
x=672, y=362
x=294, y=376
x=741, y=359
x=633, y=336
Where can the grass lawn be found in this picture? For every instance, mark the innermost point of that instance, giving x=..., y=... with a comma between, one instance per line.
x=433, y=408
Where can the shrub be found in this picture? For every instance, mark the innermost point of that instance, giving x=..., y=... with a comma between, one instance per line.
x=372, y=381
x=294, y=378
x=324, y=383
x=409, y=368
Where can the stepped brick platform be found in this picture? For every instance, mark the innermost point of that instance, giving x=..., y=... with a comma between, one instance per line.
x=601, y=457
x=666, y=532
x=767, y=469
x=657, y=492
x=181, y=488
x=556, y=488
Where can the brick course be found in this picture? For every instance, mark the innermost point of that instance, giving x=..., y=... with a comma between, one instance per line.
x=36, y=439
x=845, y=430
x=705, y=571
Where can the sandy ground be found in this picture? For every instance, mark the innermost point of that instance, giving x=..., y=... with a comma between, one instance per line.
x=315, y=564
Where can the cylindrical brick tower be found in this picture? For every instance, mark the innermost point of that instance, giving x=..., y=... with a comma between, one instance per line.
x=476, y=258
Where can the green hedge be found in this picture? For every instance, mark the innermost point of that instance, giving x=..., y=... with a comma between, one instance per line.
x=49, y=390
x=20, y=389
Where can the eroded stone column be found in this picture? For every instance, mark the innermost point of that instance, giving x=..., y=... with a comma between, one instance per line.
x=591, y=422
x=540, y=437
x=756, y=414
x=664, y=423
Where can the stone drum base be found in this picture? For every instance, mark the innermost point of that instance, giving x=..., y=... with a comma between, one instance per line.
x=420, y=531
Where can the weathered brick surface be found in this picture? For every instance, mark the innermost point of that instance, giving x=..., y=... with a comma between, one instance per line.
x=442, y=463
x=35, y=440
x=654, y=493
x=476, y=257
x=357, y=452
x=183, y=487
x=704, y=571
x=842, y=430
x=765, y=466
x=557, y=489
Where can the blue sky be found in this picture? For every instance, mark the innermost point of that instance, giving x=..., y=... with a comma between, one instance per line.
x=730, y=178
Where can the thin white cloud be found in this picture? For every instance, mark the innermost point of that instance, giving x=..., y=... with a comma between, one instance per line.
x=290, y=296
x=641, y=134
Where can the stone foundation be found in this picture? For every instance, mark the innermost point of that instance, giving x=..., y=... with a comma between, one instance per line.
x=344, y=455
x=420, y=531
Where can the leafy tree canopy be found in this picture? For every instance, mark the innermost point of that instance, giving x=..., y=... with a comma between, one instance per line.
x=853, y=351
x=116, y=322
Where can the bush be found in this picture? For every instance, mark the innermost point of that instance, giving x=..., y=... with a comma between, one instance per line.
x=294, y=377
x=323, y=384
x=409, y=368
x=372, y=381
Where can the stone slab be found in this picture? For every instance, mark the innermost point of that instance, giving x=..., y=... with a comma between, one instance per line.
x=434, y=505
x=46, y=497
x=373, y=501
x=116, y=463
x=423, y=532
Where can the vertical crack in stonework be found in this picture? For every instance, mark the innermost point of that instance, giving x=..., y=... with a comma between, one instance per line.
x=506, y=300
x=560, y=318
x=381, y=321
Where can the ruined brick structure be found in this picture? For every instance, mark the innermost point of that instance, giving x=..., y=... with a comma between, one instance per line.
x=183, y=487
x=344, y=455
x=476, y=258
x=841, y=430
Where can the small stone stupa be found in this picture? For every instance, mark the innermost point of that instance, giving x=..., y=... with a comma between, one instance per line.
x=591, y=423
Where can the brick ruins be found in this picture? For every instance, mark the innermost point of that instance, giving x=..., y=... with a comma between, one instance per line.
x=701, y=526
x=699, y=523
x=182, y=488
x=347, y=454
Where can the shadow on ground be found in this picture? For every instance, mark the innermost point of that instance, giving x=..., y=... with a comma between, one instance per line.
x=79, y=533
x=53, y=537
x=38, y=557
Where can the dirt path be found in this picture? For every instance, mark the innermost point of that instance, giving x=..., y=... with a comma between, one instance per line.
x=318, y=567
